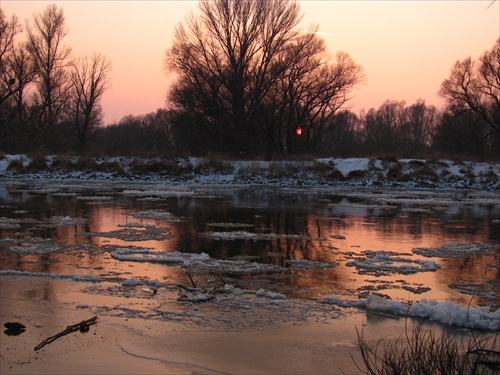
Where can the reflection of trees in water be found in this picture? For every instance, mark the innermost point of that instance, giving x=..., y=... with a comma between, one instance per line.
x=319, y=223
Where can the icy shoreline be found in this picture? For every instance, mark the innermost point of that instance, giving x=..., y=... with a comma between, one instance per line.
x=228, y=296
x=327, y=172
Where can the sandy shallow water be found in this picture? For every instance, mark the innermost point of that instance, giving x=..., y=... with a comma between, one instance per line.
x=124, y=345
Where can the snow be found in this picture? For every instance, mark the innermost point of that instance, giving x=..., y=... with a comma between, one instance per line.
x=415, y=173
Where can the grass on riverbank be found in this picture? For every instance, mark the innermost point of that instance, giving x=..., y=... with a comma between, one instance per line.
x=427, y=351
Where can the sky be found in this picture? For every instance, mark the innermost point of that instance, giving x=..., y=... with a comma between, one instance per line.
x=407, y=48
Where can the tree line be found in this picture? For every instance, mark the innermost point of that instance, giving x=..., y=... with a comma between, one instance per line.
x=48, y=98
x=248, y=83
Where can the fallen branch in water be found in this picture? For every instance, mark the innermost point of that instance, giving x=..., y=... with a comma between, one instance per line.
x=195, y=294
x=83, y=326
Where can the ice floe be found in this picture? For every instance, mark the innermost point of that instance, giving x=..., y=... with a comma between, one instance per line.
x=304, y=264
x=456, y=250
x=137, y=232
x=447, y=312
x=50, y=275
x=385, y=262
x=9, y=224
x=162, y=216
x=230, y=225
x=62, y=221
x=200, y=261
x=165, y=193
x=244, y=235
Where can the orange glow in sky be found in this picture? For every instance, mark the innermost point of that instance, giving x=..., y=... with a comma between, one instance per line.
x=407, y=48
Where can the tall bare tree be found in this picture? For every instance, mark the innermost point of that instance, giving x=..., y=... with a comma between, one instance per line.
x=16, y=74
x=9, y=28
x=89, y=81
x=474, y=86
x=224, y=59
x=45, y=37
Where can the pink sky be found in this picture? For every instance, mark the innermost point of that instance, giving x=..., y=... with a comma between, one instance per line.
x=407, y=48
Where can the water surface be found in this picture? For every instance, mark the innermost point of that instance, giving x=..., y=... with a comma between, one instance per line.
x=306, y=243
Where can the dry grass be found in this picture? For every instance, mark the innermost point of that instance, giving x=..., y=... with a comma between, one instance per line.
x=426, y=351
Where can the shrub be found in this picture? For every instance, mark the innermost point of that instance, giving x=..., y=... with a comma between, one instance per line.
x=15, y=165
x=396, y=172
x=214, y=166
x=110, y=166
x=65, y=164
x=163, y=166
x=336, y=175
x=38, y=163
x=85, y=163
x=357, y=174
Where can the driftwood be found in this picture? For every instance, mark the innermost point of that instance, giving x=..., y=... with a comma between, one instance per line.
x=195, y=294
x=83, y=326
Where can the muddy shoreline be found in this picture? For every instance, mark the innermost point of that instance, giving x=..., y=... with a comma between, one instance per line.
x=123, y=345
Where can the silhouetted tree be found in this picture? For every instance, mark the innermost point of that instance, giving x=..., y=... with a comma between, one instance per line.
x=9, y=29
x=344, y=138
x=247, y=77
x=158, y=125
x=88, y=82
x=381, y=132
x=16, y=73
x=45, y=35
x=418, y=128
x=474, y=86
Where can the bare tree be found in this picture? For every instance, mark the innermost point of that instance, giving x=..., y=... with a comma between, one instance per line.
x=89, y=81
x=474, y=86
x=50, y=56
x=417, y=131
x=382, y=127
x=8, y=31
x=158, y=126
x=250, y=77
x=328, y=89
x=224, y=61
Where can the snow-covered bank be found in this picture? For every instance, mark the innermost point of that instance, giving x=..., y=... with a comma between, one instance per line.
x=356, y=172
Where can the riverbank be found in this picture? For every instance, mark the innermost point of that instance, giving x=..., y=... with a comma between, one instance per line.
x=351, y=172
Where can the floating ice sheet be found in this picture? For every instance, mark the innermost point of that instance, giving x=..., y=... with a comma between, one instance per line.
x=456, y=250
x=384, y=263
x=244, y=235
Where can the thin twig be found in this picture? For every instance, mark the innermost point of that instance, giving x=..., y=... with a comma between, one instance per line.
x=83, y=325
